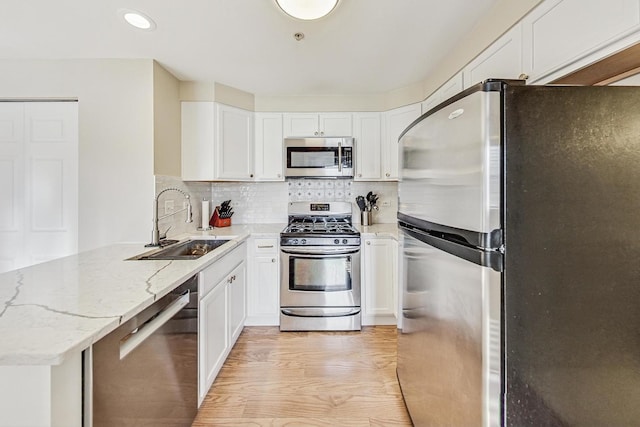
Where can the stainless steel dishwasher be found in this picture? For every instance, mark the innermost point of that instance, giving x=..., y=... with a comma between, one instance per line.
x=145, y=373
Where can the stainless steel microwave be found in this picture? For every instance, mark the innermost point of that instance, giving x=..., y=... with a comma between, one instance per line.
x=318, y=157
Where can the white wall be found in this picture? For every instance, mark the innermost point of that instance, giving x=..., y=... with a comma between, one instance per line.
x=115, y=110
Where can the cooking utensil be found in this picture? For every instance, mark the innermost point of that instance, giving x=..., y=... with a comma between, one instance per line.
x=361, y=203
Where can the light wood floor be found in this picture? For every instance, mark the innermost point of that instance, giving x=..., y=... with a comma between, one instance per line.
x=297, y=379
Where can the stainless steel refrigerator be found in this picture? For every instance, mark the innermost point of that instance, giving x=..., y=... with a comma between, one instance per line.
x=519, y=212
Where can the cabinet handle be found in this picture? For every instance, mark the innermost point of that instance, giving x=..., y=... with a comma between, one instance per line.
x=279, y=176
x=265, y=246
x=315, y=133
x=273, y=260
x=368, y=243
x=524, y=76
x=359, y=175
x=388, y=174
x=322, y=133
x=251, y=176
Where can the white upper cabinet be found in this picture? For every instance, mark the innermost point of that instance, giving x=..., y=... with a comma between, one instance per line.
x=234, y=143
x=446, y=91
x=317, y=124
x=198, y=133
x=501, y=60
x=268, y=147
x=217, y=142
x=395, y=122
x=367, y=131
x=559, y=36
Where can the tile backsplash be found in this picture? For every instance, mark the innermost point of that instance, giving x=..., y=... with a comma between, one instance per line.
x=266, y=202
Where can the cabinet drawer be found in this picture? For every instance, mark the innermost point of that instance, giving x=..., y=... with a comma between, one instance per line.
x=265, y=246
x=212, y=275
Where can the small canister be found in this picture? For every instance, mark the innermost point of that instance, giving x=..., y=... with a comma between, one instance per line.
x=366, y=217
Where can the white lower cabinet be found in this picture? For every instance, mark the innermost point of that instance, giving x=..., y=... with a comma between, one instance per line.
x=379, y=281
x=237, y=290
x=263, y=294
x=221, y=314
x=214, y=337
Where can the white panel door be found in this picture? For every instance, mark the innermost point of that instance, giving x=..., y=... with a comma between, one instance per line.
x=12, y=161
x=39, y=164
x=51, y=142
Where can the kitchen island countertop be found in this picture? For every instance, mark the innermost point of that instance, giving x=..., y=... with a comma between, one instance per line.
x=53, y=309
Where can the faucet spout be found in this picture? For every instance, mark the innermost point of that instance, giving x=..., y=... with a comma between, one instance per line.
x=155, y=233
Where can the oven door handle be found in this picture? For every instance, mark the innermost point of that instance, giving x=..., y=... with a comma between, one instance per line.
x=319, y=251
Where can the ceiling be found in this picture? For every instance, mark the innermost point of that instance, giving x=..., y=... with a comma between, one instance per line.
x=362, y=47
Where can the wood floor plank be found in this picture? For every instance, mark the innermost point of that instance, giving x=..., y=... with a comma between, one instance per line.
x=309, y=379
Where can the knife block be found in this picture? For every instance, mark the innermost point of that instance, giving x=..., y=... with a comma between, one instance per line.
x=216, y=221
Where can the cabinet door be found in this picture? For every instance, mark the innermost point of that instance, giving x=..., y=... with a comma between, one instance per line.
x=237, y=301
x=300, y=124
x=379, y=274
x=198, y=123
x=335, y=124
x=501, y=60
x=234, y=154
x=213, y=336
x=264, y=292
x=268, y=147
x=396, y=122
x=451, y=87
x=368, y=137
x=559, y=34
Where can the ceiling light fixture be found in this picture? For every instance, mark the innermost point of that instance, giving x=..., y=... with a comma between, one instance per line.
x=137, y=19
x=307, y=10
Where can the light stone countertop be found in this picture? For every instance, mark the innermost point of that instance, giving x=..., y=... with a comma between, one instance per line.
x=379, y=230
x=53, y=309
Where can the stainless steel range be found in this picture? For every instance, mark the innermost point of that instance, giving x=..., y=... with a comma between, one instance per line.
x=320, y=262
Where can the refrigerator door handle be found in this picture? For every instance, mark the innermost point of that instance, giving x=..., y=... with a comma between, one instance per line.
x=493, y=259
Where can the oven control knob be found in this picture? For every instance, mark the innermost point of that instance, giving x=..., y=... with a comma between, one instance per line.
x=295, y=241
x=337, y=241
x=344, y=241
x=303, y=241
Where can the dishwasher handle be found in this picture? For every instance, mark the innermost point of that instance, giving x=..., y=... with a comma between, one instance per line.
x=136, y=337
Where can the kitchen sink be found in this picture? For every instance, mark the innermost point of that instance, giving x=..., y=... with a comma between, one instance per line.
x=190, y=249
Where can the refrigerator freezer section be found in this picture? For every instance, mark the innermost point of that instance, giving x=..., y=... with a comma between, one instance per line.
x=449, y=347
x=450, y=167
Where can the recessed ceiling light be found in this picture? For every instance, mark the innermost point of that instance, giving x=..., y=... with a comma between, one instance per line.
x=137, y=19
x=307, y=10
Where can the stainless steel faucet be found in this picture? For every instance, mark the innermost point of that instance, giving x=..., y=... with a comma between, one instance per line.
x=155, y=234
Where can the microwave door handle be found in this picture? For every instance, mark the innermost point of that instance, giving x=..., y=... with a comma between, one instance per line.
x=339, y=156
